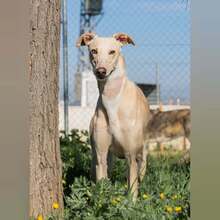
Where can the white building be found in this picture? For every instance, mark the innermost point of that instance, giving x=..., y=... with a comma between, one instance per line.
x=86, y=92
x=86, y=89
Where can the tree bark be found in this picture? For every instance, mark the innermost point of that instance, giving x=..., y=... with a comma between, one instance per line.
x=45, y=160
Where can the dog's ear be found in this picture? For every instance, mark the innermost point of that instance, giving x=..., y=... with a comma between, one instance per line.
x=84, y=39
x=123, y=38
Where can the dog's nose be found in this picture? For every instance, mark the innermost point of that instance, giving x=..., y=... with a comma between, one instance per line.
x=101, y=72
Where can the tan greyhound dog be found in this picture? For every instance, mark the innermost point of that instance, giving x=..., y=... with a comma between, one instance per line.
x=122, y=113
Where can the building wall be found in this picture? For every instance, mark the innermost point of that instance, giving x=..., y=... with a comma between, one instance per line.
x=86, y=90
x=79, y=117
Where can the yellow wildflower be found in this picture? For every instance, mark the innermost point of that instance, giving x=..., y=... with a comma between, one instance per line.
x=118, y=199
x=55, y=205
x=145, y=196
x=169, y=209
x=178, y=209
x=174, y=197
x=114, y=202
x=39, y=217
x=162, y=196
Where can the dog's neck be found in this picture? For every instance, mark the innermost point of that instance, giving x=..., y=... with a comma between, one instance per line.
x=111, y=87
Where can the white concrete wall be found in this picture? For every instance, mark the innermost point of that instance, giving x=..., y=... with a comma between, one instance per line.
x=79, y=117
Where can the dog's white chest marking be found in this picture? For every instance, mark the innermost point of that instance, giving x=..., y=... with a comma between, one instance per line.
x=112, y=95
x=111, y=106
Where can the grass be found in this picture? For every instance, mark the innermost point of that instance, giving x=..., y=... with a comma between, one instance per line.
x=163, y=195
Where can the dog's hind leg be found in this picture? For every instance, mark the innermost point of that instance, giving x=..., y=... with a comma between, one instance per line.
x=142, y=163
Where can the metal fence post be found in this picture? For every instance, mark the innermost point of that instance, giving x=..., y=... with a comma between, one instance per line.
x=158, y=83
x=65, y=66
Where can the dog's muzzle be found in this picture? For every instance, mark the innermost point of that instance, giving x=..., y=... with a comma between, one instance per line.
x=101, y=73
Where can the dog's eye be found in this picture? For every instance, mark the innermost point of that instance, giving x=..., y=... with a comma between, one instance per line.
x=111, y=52
x=93, y=51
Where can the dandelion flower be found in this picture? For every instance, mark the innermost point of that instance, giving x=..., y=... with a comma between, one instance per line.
x=178, y=209
x=114, y=202
x=55, y=205
x=169, y=209
x=118, y=199
x=145, y=196
x=39, y=217
x=174, y=197
x=162, y=196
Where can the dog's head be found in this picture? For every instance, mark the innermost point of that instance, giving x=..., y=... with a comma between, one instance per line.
x=104, y=51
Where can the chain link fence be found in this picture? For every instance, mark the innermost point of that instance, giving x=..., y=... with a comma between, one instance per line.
x=159, y=63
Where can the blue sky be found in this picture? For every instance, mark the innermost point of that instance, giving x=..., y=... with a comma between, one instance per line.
x=161, y=31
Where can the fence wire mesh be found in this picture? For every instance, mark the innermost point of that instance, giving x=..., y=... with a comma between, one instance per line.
x=160, y=61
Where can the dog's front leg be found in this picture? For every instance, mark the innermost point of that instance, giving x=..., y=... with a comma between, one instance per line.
x=133, y=175
x=101, y=166
x=101, y=144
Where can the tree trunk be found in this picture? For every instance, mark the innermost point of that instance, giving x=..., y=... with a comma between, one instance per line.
x=45, y=161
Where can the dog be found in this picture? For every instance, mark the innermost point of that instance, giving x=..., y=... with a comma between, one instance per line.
x=119, y=124
x=169, y=125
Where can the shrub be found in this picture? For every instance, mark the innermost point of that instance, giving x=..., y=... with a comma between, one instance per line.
x=76, y=157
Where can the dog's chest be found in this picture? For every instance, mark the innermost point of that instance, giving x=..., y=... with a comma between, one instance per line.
x=112, y=106
x=120, y=126
x=112, y=103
